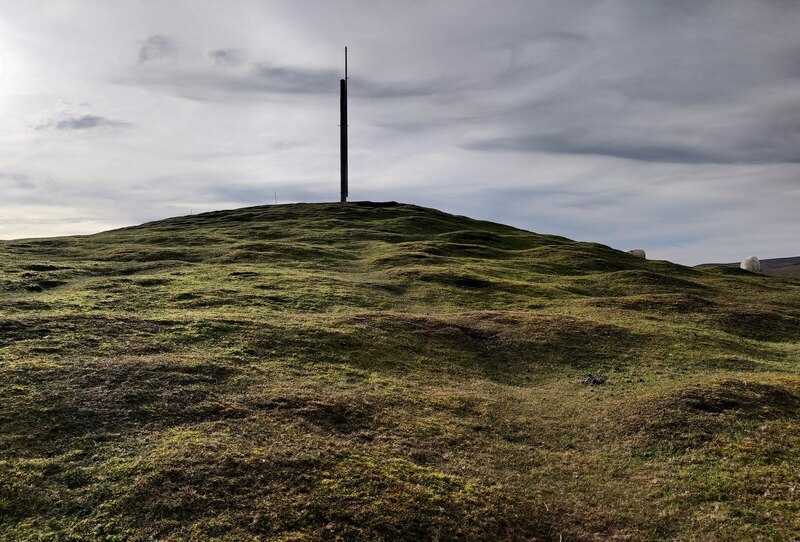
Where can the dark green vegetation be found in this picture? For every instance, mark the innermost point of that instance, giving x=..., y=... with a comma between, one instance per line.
x=387, y=372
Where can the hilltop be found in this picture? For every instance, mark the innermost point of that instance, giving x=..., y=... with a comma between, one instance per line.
x=381, y=371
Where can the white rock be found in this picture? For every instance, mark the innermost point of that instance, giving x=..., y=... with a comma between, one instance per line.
x=751, y=264
x=638, y=252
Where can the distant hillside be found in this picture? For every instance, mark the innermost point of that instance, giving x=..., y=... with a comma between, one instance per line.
x=381, y=371
x=779, y=267
x=785, y=271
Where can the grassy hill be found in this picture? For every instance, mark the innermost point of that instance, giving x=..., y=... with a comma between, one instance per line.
x=389, y=372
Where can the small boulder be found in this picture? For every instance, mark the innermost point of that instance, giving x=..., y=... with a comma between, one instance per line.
x=751, y=264
x=638, y=252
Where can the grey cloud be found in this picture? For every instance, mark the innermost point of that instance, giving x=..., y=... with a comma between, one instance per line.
x=81, y=122
x=230, y=86
x=757, y=130
x=291, y=80
x=306, y=81
x=359, y=87
x=636, y=150
x=265, y=78
x=225, y=57
x=16, y=180
x=157, y=47
x=661, y=84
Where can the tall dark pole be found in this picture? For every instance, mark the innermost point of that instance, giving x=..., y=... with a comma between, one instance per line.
x=343, y=128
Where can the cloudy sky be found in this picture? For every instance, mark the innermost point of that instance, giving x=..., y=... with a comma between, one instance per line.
x=671, y=126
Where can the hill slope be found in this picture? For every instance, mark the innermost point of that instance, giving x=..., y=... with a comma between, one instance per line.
x=785, y=271
x=388, y=372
